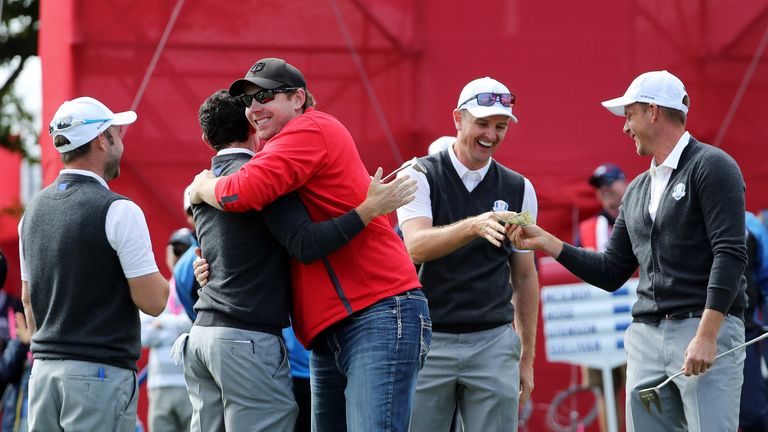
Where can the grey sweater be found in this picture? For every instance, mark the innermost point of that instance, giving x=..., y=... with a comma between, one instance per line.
x=692, y=256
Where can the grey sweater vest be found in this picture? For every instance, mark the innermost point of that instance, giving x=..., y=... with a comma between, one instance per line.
x=469, y=289
x=249, y=284
x=80, y=297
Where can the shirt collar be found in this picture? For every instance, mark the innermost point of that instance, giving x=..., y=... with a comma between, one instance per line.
x=234, y=150
x=84, y=173
x=674, y=157
x=461, y=170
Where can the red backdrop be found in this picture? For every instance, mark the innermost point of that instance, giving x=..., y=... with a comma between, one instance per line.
x=392, y=71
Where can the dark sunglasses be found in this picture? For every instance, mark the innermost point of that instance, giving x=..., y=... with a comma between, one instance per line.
x=264, y=96
x=488, y=99
x=65, y=123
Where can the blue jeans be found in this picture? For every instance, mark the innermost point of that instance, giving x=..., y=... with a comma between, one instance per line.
x=363, y=369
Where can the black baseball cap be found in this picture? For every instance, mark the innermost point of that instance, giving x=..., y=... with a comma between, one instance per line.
x=269, y=73
x=605, y=175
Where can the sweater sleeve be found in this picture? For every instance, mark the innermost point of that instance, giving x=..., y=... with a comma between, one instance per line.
x=607, y=270
x=288, y=220
x=287, y=161
x=719, y=188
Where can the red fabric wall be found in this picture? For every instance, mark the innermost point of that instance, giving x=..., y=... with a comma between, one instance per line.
x=396, y=88
x=9, y=218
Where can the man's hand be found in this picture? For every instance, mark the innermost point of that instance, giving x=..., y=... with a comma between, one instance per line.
x=22, y=331
x=196, y=189
x=201, y=268
x=385, y=198
x=532, y=237
x=488, y=226
x=699, y=355
x=526, y=382
x=702, y=349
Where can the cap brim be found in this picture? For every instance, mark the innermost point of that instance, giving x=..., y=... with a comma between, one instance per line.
x=124, y=118
x=238, y=87
x=617, y=105
x=496, y=109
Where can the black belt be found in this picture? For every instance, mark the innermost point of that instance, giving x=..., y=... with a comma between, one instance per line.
x=656, y=319
x=683, y=315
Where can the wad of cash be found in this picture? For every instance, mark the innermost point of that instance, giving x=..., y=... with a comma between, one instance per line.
x=523, y=219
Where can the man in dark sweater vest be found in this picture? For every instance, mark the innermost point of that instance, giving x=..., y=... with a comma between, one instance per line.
x=682, y=224
x=87, y=268
x=236, y=363
x=476, y=283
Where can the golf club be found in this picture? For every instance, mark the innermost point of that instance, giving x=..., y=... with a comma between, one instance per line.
x=413, y=162
x=653, y=395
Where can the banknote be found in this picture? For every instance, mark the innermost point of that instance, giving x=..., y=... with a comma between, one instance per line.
x=523, y=218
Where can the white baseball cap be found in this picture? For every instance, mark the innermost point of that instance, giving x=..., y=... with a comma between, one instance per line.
x=468, y=99
x=83, y=119
x=659, y=87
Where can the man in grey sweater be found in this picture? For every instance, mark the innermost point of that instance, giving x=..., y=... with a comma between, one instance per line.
x=682, y=224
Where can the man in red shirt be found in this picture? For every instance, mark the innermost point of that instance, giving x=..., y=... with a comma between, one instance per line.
x=609, y=183
x=360, y=309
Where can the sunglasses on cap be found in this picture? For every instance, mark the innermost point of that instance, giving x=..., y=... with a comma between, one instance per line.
x=488, y=99
x=64, y=123
x=264, y=96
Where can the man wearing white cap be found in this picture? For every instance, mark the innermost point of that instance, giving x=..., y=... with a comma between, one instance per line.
x=477, y=284
x=682, y=224
x=87, y=268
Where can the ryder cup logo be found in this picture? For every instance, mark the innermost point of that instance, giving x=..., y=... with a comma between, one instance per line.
x=500, y=205
x=678, y=192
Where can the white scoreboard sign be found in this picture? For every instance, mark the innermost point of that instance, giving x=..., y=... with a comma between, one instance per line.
x=585, y=325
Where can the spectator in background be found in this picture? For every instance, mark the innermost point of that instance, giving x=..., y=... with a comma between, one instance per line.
x=14, y=368
x=753, y=415
x=87, y=268
x=610, y=184
x=184, y=272
x=169, y=406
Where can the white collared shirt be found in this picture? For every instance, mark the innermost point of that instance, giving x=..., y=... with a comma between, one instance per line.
x=470, y=178
x=421, y=206
x=126, y=230
x=234, y=150
x=660, y=174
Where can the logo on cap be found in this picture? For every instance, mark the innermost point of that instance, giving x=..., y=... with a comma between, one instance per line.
x=257, y=67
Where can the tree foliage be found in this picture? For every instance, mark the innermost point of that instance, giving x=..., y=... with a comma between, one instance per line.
x=18, y=37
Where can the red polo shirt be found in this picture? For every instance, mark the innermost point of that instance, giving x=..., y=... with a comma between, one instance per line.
x=315, y=155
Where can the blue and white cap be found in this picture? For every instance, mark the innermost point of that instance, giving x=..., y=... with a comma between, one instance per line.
x=83, y=119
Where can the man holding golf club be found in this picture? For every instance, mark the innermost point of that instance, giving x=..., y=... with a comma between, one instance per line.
x=682, y=224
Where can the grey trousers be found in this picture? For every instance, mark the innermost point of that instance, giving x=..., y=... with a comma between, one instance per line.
x=72, y=395
x=169, y=409
x=238, y=380
x=707, y=402
x=478, y=373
